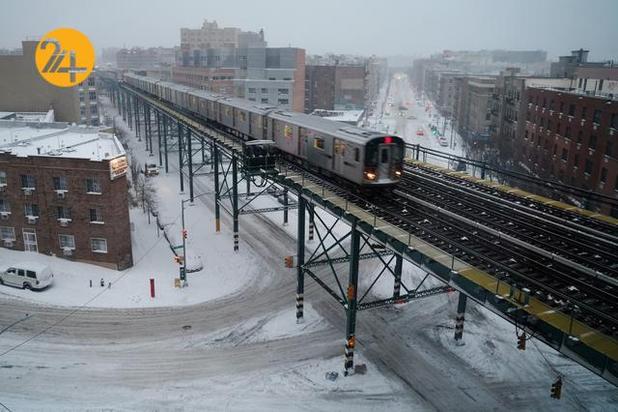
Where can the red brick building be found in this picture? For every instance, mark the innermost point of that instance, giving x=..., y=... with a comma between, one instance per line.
x=571, y=137
x=63, y=191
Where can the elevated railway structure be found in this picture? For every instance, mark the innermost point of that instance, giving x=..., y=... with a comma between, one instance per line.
x=548, y=269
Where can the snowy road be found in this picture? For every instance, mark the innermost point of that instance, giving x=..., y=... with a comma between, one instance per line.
x=178, y=358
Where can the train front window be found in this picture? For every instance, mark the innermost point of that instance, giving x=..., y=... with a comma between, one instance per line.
x=385, y=151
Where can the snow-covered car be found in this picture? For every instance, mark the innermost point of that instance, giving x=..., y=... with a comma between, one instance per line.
x=27, y=275
x=420, y=132
x=151, y=169
x=443, y=142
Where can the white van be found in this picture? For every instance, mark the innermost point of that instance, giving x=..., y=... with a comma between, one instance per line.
x=27, y=275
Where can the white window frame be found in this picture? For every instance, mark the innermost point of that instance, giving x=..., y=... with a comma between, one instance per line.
x=65, y=245
x=92, y=239
x=96, y=185
x=3, y=178
x=3, y=229
x=6, y=206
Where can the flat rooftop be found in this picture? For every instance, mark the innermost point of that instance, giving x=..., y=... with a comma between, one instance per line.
x=24, y=139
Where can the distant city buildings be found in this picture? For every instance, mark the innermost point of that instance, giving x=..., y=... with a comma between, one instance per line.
x=144, y=59
x=342, y=82
x=22, y=89
x=63, y=191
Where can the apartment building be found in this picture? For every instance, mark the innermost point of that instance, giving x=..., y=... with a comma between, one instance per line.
x=63, y=192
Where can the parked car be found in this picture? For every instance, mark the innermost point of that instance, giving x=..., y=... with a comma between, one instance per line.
x=420, y=132
x=151, y=169
x=27, y=275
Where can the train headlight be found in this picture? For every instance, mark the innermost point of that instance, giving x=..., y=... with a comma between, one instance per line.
x=370, y=175
x=398, y=173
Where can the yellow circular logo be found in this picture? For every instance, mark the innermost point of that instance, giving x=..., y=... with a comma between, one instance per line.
x=64, y=57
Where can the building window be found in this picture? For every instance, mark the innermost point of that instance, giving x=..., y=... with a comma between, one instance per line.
x=60, y=183
x=98, y=245
x=576, y=160
x=283, y=101
x=251, y=89
x=282, y=91
x=584, y=112
x=600, y=84
x=593, y=142
x=588, y=166
x=93, y=110
x=2, y=178
x=571, y=110
x=91, y=80
x=28, y=181
x=580, y=136
x=609, y=149
x=264, y=90
x=81, y=98
x=31, y=209
x=96, y=215
x=603, y=175
x=264, y=100
x=596, y=116
x=251, y=99
x=565, y=154
x=567, y=132
x=613, y=123
x=93, y=185
x=67, y=241
x=92, y=95
x=5, y=206
x=7, y=233
x=63, y=212
x=561, y=107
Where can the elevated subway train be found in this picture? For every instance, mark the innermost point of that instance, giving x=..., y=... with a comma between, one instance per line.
x=364, y=157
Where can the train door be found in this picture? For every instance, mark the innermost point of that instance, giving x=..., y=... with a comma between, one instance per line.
x=339, y=154
x=384, y=160
x=303, y=140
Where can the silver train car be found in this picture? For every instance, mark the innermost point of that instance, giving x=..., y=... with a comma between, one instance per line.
x=366, y=158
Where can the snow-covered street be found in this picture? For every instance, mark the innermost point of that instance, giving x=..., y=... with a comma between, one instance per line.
x=229, y=340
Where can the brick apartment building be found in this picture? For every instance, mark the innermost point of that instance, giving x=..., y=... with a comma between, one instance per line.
x=63, y=191
x=571, y=137
x=335, y=87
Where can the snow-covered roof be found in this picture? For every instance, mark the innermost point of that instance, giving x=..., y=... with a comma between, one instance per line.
x=25, y=139
x=347, y=116
x=29, y=116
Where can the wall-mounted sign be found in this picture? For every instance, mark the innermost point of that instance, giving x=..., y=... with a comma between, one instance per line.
x=118, y=167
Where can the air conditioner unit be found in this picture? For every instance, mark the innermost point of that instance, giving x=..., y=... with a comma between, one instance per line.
x=64, y=222
x=2, y=187
x=8, y=243
x=5, y=215
x=28, y=191
x=32, y=219
x=67, y=251
x=61, y=194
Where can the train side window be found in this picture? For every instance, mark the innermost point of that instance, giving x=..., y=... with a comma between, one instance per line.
x=243, y=116
x=356, y=154
x=318, y=143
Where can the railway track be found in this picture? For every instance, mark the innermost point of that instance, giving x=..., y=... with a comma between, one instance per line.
x=574, y=221
x=590, y=253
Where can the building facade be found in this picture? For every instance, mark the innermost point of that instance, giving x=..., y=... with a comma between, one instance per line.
x=472, y=113
x=22, y=89
x=335, y=87
x=63, y=192
x=571, y=137
x=144, y=59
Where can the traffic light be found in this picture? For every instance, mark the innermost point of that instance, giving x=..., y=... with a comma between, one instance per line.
x=556, y=388
x=289, y=261
x=521, y=341
x=184, y=233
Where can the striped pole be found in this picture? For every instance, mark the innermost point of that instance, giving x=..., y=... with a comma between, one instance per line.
x=300, y=260
x=398, y=267
x=311, y=224
x=459, y=321
x=299, y=308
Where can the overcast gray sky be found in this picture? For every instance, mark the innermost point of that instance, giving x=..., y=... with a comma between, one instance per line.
x=381, y=27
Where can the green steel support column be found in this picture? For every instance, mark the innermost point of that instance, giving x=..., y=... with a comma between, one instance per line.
x=137, y=120
x=300, y=260
x=248, y=180
x=182, y=181
x=215, y=157
x=147, y=125
x=129, y=112
x=235, y=199
x=203, y=154
x=351, y=305
x=165, y=143
x=397, y=271
x=461, y=314
x=285, y=205
x=190, y=158
x=159, y=137
x=150, y=131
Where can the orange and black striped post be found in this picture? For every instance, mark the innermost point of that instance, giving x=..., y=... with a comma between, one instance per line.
x=351, y=306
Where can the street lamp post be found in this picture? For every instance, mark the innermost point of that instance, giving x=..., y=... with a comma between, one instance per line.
x=183, y=267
